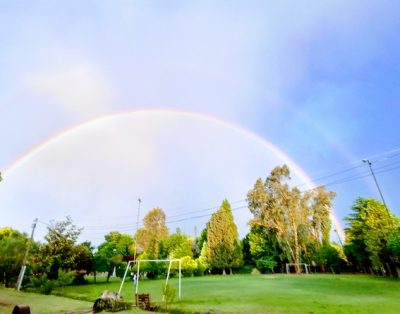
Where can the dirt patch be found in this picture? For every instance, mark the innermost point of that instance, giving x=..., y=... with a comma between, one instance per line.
x=6, y=304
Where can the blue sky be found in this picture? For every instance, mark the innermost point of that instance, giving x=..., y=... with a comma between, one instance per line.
x=318, y=80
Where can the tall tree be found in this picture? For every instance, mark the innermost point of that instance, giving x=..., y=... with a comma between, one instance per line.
x=295, y=217
x=112, y=251
x=153, y=232
x=369, y=227
x=12, y=249
x=224, y=248
x=83, y=261
x=57, y=252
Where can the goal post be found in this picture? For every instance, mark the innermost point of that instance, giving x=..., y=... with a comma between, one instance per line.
x=170, y=261
x=306, y=267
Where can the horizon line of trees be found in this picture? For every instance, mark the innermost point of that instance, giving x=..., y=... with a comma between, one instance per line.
x=288, y=227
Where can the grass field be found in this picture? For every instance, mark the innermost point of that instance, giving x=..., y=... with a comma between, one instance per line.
x=249, y=294
x=39, y=303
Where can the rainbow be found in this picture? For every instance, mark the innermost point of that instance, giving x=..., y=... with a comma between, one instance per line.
x=37, y=149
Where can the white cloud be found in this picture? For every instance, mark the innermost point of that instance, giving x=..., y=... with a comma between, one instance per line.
x=80, y=90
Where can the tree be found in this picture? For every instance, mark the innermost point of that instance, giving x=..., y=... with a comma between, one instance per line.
x=328, y=256
x=224, y=249
x=177, y=245
x=200, y=241
x=83, y=261
x=264, y=246
x=110, y=253
x=202, y=263
x=393, y=249
x=12, y=249
x=296, y=218
x=154, y=230
x=370, y=226
x=58, y=251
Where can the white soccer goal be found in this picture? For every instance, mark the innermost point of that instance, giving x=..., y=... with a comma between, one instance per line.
x=170, y=261
x=306, y=266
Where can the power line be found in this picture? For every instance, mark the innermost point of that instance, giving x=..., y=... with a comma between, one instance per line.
x=347, y=171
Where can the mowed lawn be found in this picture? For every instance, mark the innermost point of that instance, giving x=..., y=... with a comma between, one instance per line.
x=259, y=294
x=40, y=303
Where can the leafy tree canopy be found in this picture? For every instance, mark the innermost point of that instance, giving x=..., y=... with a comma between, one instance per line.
x=296, y=218
x=58, y=250
x=369, y=227
x=12, y=250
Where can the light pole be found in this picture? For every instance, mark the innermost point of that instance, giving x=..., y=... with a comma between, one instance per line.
x=376, y=182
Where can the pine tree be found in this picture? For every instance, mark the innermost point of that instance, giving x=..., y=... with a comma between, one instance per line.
x=224, y=249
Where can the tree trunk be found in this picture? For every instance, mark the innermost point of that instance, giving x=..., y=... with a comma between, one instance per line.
x=296, y=252
x=94, y=276
x=398, y=271
x=296, y=244
x=223, y=272
x=389, y=269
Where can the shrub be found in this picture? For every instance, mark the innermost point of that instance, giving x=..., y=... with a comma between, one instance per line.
x=245, y=269
x=266, y=265
x=65, y=278
x=169, y=293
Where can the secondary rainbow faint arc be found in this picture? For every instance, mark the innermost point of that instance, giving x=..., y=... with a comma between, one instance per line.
x=24, y=158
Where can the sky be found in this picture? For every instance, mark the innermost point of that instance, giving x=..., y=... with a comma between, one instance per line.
x=185, y=103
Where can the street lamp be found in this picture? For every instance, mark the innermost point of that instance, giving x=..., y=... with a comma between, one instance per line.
x=376, y=182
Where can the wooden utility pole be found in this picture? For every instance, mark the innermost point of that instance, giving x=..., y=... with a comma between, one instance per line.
x=23, y=268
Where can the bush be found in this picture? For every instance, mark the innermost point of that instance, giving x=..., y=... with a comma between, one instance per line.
x=47, y=287
x=328, y=256
x=245, y=269
x=65, y=278
x=266, y=265
x=169, y=293
x=188, y=266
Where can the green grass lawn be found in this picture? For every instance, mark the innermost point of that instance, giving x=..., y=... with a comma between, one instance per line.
x=40, y=303
x=259, y=294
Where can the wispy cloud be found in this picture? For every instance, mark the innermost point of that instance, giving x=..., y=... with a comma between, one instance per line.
x=80, y=89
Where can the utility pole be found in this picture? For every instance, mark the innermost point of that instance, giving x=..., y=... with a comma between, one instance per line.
x=23, y=268
x=376, y=182
x=137, y=227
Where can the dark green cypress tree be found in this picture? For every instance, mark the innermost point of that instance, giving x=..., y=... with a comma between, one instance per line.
x=224, y=248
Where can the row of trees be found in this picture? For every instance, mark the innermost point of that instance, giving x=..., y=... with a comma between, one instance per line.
x=288, y=226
